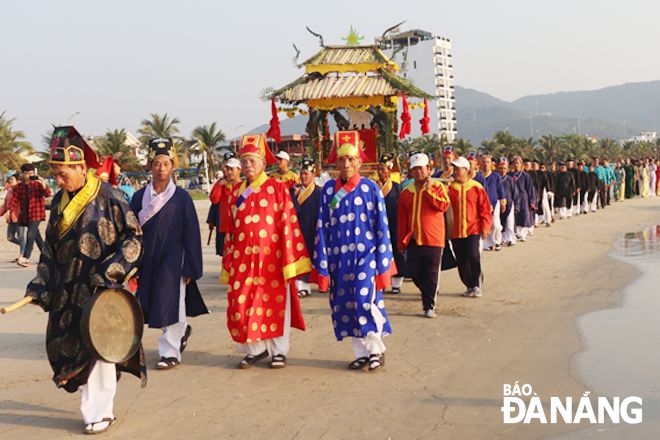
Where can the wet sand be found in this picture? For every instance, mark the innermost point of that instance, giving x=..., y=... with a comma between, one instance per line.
x=443, y=378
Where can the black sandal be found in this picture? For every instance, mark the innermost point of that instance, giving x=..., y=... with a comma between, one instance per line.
x=249, y=360
x=376, y=361
x=359, y=363
x=279, y=361
x=167, y=363
x=107, y=420
x=184, y=339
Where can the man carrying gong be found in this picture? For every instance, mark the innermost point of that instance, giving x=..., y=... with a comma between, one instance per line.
x=93, y=242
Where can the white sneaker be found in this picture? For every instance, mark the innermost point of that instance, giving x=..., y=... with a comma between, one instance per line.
x=430, y=313
x=23, y=262
x=476, y=292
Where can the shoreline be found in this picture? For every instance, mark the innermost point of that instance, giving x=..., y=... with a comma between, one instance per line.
x=443, y=378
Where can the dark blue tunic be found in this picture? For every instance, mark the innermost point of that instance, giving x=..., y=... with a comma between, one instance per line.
x=524, y=199
x=308, y=214
x=214, y=218
x=172, y=249
x=509, y=188
x=392, y=208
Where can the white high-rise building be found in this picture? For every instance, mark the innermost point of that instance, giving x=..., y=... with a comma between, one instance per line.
x=426, y=62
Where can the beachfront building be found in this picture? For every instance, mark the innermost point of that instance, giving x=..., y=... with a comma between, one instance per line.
x=427, y=63
x=646, y=136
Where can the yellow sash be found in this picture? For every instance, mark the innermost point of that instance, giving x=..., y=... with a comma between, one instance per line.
x=305, y=194
x=385, y=189
x=71, y=210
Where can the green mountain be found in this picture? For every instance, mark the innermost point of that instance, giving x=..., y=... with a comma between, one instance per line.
x=601, y=112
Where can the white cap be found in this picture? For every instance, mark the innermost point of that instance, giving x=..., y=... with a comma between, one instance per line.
x=461, y=162
x=283, y=155
x=234, y=163
x=419, y=160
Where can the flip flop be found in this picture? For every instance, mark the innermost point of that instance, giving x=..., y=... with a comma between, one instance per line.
x=184, y=339
x=359, y=363
x=167, y=363
x=279, y=361
x=249, y=360
x=91, y=430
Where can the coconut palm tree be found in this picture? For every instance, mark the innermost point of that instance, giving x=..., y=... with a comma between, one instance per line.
x=11, y=147
x=549, y=148
x=163, y=126
x=114, y=144
x=208, y=140
x=462, y=146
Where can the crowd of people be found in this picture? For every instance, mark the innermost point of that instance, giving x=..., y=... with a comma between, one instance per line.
x=354, y=237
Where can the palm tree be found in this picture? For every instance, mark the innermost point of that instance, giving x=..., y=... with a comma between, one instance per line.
x=610, y=148
x=11, y=147
x=492, y=148
x=162, y=126
x=114, y=144
x=549, y=147
x=524, y=147
x=462, y=146
x=208, y=140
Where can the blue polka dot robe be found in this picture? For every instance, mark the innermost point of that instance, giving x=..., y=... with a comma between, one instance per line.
x=353, y=256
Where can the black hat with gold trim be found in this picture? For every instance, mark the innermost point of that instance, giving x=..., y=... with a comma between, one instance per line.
x=68, y=147
x=308, y=164
x=390, y=160
x=163, y=146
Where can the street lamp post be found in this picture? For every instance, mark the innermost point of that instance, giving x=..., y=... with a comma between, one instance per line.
x=71, y=117
x=234, y=137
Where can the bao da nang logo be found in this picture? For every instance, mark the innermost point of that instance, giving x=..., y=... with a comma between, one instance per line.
x=628, y=410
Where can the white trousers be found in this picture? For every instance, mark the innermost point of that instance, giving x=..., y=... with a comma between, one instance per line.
x=98, y=393
x=594, y=204
x=547, y=210
x=495, y=236
x=522, y=231
x=303, y=285
x=373, y=342
x=509, y=232
x=169, y=343
x=585, y=202
x=563, y=212
x=576, y=206
x=275, y=346
x=397, y=282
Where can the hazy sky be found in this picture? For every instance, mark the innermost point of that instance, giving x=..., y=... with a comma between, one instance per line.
x=206, y=61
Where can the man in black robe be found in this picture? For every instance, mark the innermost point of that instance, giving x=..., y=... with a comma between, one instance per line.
x=565, y=191
x=570, y=165
x=306, y=197
x=93, y=242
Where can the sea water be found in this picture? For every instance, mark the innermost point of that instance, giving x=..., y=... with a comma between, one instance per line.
x=621, y=349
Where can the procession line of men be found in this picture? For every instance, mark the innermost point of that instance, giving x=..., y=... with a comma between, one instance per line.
x=277, y=235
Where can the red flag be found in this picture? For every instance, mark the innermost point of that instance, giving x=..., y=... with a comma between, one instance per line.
x=425, y=120
x=274, y=131
x=405, y=119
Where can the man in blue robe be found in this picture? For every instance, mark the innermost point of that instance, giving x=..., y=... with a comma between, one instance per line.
x=306, y=197
x=524, y=201
x=493, y=186
x=172, y=259
x=507, y=217
x=353, y=254
x=391, y=191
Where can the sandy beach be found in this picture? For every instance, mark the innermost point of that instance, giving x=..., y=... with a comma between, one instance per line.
x=443, y=378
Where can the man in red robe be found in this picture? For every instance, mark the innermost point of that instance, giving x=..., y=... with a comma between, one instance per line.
x=264, y=254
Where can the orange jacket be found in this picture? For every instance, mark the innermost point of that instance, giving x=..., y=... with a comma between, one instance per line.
x=471, y=209
x=421, y=213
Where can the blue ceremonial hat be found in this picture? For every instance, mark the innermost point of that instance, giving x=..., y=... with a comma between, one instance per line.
x=448, y=150
x=472, y=156
x=502, y=160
